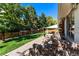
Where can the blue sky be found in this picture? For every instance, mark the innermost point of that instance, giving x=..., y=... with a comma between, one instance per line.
x=50, y=9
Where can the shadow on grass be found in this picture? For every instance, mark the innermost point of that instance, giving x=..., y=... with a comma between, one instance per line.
x=3, y=46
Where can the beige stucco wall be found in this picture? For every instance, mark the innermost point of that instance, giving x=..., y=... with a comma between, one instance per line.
x=76, y=18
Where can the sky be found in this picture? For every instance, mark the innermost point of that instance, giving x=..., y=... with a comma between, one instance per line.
x=49, y=9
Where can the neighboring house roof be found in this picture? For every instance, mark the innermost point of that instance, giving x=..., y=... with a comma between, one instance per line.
x=53, y=26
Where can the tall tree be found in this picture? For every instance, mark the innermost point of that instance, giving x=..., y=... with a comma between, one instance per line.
x=43, y=21
x=30, y=18
x=10, y=17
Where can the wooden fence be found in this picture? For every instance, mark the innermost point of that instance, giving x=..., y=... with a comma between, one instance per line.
x=15, y=34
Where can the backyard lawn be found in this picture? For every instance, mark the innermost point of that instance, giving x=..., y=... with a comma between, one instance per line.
x=10, y=45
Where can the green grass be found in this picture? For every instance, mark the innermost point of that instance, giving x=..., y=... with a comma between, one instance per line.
x=10, y=45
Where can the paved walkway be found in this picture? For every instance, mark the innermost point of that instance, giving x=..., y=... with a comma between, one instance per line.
x=25, y=47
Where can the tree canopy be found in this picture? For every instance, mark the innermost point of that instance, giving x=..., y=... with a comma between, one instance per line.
x=14, y=17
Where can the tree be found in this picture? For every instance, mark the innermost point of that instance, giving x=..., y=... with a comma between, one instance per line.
x=10, y=15
x=30, y=18
x=51, y=21
x=42, y=20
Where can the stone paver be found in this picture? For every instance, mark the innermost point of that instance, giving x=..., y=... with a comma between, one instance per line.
x=25, y=47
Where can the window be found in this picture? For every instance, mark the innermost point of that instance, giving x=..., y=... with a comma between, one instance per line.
x=70, y=26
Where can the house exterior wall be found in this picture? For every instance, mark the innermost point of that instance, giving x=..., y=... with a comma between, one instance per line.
x=63, y=10
x=65, y=16
x=76, y=18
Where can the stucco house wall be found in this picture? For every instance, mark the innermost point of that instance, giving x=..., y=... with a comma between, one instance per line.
x=76, y=18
